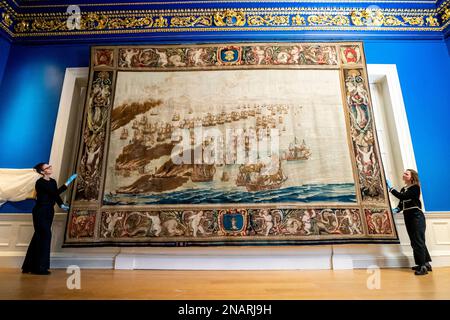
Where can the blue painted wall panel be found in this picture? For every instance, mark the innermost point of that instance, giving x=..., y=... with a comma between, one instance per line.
x=447, y=41
x=30, y=99
x=423, y=70
x=4, y=53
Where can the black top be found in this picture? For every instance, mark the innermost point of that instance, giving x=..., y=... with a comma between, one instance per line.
x=47, y=192
x=409, y=197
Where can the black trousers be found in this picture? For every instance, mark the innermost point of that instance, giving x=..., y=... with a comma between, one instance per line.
x=416, y=226
x=38, y=254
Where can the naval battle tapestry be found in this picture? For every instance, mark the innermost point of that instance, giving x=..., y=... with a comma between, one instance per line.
x=229, y=144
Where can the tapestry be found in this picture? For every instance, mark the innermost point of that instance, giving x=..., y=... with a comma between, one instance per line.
x=229, y=144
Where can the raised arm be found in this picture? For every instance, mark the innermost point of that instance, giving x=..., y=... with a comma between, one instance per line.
x=62, y=189
x=412, y=192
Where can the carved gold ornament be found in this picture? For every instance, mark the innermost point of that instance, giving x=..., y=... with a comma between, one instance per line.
x=446, y=15
x=367, y=17
x=6, y=19
x=229, y=18
x=432, y=21
x=22, y=26
x=328, y=20
x=414, y=21
x=268, y=20
x=191, y=21
x=393, y=21
x=298, y=20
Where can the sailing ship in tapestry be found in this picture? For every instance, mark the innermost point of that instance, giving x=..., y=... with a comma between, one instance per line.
x=228, y=137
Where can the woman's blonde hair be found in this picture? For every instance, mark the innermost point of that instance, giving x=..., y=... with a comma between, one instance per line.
x=414, y=177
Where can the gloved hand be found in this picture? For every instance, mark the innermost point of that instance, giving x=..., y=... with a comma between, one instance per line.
x=388, y=183
x=395, y=210
x=69, y=181
x=65, y=207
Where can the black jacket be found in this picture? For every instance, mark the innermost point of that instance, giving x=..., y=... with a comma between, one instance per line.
x=47, y=192
x=409, y=198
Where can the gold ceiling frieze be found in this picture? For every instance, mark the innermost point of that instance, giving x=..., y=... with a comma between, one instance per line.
x=174, y=12
x=223, y=19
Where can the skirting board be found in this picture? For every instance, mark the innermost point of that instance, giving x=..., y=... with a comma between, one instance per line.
x=62, y=260
x=329, y=257
x=336, y=257
x=224, y=258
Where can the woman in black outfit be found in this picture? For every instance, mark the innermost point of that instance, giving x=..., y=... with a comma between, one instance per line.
x=415, y=223
x=37, y=260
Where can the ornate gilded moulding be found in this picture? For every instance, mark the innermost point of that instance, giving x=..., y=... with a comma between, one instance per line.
x=56, y=21
x=444, y=12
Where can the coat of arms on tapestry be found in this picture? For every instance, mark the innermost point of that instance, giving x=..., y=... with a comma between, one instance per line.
x=229, y=144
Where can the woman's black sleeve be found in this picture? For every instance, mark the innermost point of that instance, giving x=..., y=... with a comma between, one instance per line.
x=58, y=200
x=62, y=189
x=411, y=193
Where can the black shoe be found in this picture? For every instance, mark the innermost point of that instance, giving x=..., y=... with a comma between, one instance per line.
x=42, y=272
x=429, y=268
x=26, y=271
x=422, y=271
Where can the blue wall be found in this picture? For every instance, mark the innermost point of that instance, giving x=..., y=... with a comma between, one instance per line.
x=4, y=53
x=30, y=99
x=423, y=68
x=448, y=44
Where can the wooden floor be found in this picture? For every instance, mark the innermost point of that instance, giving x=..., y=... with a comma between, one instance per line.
x=174, y=285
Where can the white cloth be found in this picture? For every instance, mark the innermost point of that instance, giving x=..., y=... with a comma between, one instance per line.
x=17, y=184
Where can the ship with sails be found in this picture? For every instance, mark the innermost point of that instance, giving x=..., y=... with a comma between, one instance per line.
x=298, y=151
x=176, y=117
x=203, y=172
x=225, y=176
x=124, y=134
x=254, y=177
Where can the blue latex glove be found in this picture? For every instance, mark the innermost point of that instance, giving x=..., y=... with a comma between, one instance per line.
x=65, y=207
x=72, y=177
x=395, y=210
x=388, y=183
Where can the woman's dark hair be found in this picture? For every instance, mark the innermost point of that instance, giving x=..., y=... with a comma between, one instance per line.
x=414, y=177
x=38, y=167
